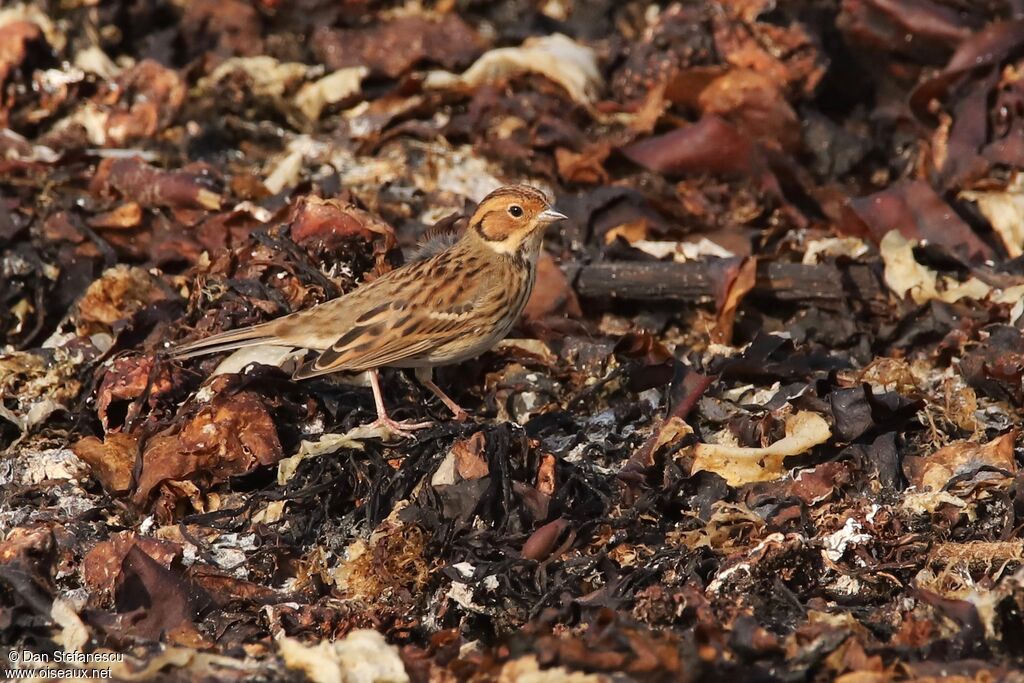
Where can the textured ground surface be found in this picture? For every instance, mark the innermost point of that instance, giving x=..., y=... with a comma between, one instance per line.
x=760, y=421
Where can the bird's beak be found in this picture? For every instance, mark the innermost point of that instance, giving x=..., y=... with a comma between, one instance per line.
x=550, y=216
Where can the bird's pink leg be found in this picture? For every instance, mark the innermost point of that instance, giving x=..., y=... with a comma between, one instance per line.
x=400, y=428
x=424, y=376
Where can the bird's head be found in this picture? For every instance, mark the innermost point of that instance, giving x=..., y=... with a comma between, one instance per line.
x=512, y=218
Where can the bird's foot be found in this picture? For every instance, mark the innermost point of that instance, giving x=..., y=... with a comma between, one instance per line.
x=403, y=428
x=458, y=412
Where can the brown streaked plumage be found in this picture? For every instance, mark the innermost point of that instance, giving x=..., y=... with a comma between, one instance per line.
x=454, y=303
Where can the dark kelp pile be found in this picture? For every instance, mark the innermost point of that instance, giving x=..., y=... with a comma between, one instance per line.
x=759, y=422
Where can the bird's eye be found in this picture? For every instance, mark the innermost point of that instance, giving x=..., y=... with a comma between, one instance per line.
x=515, y=210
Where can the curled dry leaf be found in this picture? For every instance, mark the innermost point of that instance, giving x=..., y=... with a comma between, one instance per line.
x=785, y=52
x=1004, y=210
x=330, y=222
x=466, y=460
x=14, y=39
x=904, y=27
x=135, y=180
x=737, y=287
x=915, y=210
x=755, y=105
x=906, y=277
x=393, y=47
x=556, y=57
x=126, y=379
x=817, y=484
x=470, y=456
x=360, y=656
x=527, y=668
x=977, y=51
x=668, y=436
x=230, y=436
x=102, y=564
x=285, y=172
x=331, y=89
x=230, y=27
x=94, y=60
x=586, y=166
x=115, y=296
x=652, y=364
x=74, y=634
x=994, y=368
x=680, y=252
x=128, y=215
x=833, y=247
x=903, y=274
x=32, y=387
x=141, y=102
x=546, y=482
x=933, y=472
x=153, y=94
x=711, y=145
x=159, y=602
x=24, y=12
x=111, y=460
x=739, y=465
x=266, y=76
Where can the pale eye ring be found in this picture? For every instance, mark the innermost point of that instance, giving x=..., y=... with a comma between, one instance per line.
x=515, y=210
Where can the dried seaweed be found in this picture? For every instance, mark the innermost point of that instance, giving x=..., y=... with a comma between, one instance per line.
x=760, y=419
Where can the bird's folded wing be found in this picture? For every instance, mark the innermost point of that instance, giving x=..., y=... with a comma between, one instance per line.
x=388, y=335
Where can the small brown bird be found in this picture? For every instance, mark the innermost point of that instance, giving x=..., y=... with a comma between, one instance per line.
x=454, y=303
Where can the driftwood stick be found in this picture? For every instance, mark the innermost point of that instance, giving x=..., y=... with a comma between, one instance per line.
x=646, y=281
x=693, y=282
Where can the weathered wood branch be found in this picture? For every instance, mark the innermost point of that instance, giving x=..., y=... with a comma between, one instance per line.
x=694, y=282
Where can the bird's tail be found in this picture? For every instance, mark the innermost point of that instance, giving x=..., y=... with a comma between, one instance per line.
x=226, y=341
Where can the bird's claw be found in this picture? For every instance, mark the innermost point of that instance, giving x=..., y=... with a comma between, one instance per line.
x=403, y=428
